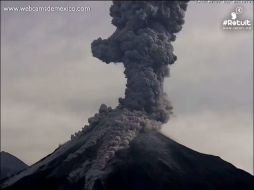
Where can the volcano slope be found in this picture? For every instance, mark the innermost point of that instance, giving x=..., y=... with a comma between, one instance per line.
x=121, y=148
x=151, y=162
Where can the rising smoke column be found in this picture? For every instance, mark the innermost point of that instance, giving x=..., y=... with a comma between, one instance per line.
x=142, y=42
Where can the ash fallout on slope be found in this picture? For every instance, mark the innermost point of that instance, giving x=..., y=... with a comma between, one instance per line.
x=142, y=42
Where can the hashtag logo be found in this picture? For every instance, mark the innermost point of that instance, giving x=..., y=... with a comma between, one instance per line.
x=225, y=22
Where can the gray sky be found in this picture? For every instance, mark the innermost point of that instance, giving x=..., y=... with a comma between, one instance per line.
x=51, y=83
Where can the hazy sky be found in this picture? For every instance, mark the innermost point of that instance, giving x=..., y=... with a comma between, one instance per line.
x=51, y=83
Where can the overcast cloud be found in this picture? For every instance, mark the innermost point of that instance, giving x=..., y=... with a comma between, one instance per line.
x=51, y=83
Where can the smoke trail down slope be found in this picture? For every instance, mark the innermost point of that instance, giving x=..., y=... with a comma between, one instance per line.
x=142, y=42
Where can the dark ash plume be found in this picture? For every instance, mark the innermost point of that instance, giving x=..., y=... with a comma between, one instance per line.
x=142, y=42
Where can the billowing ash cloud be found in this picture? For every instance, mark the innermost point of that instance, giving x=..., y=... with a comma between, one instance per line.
x=142, y=42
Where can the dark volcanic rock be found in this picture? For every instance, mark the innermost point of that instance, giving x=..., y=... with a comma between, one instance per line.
x=152, y=162
x=156, y=162
x=10, y=165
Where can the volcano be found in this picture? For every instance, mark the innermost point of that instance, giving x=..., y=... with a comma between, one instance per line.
x=152, y=161
x=122, y=148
